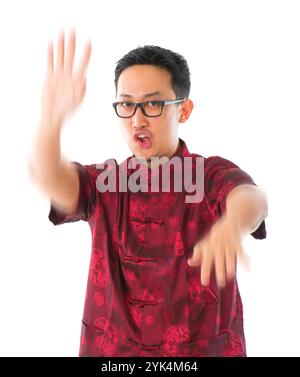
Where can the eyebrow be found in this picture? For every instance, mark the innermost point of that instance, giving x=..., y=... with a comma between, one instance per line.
x=145, y=96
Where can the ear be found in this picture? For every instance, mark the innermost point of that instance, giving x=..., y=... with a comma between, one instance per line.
x=186, y=109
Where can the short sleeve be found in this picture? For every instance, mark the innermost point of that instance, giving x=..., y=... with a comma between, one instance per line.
x=86, y=200
x=221, y=176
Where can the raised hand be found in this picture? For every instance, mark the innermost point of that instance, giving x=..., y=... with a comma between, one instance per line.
x=63, y=89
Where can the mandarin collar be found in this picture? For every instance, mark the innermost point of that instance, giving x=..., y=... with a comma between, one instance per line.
x=182, y=151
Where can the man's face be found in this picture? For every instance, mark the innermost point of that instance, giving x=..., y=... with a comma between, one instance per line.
x=140, y=83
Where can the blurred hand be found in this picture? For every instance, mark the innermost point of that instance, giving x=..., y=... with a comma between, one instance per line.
x=63, y=89
x=219, y=248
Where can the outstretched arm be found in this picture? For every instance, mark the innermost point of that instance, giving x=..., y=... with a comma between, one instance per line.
x=247, y=207
x=63, y=91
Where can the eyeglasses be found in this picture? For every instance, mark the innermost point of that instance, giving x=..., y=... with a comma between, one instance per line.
x=151, y=109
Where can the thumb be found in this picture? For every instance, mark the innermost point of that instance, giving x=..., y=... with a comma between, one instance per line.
x=243, y=258
x=195, y=259
x=84, y=84
x=79, y=91
x=83, y=88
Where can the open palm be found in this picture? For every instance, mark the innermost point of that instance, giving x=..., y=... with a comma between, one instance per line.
x=63, y=89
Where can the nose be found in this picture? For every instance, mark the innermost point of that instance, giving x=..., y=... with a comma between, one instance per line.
x=139, y=120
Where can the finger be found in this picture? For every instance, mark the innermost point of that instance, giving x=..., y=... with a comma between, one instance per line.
x=196, y=258
x=71, y=50
x=220, y=267
x=50, y=58
x=230, y=262
x=60, y=51
x=207, y=261
x=80, y=91
x=85, y=60
x=242, y=257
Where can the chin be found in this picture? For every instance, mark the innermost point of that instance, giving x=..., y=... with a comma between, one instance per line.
x=143, y=154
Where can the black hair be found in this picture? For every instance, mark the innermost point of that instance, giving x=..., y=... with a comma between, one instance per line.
x=173, y=62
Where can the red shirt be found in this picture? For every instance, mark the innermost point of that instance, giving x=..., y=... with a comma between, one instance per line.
x=142, y=297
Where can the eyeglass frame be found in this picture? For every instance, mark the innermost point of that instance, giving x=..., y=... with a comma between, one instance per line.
x=163, y=103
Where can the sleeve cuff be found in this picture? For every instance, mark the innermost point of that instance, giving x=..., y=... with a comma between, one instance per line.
x=59, y=217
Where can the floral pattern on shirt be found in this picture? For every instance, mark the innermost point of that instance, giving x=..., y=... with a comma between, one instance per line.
x=142, y=298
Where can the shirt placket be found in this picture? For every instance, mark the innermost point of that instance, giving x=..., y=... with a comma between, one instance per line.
x=149, y=309
x=147, y=262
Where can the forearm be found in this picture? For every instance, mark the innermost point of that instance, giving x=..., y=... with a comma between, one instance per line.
x=247, y=207
x=45, y=155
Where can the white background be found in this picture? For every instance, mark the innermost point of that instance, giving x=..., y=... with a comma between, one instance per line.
x=244, y=58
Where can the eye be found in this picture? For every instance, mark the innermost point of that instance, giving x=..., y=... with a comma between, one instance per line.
x=153, y=103
x=126, y=104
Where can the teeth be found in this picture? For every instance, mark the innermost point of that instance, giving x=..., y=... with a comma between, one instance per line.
x=142, y=136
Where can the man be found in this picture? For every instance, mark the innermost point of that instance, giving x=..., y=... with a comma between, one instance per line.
x=162, y=272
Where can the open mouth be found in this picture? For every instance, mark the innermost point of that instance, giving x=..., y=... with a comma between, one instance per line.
x=143, y=140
